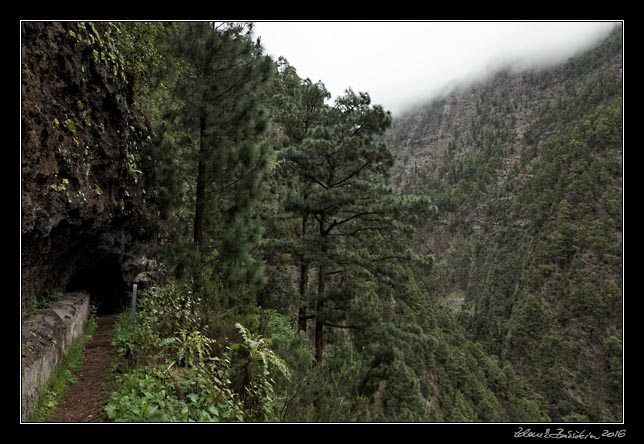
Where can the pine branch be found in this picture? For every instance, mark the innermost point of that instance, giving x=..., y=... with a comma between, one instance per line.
x=329, y=324
x=334, y=272
x=235, y=182
x=350, y=176
x=307, y=176
x=335, y=223
x=354, y=232
x=385, y=258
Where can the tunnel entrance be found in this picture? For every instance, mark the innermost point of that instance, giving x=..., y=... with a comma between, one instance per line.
x=103, y=280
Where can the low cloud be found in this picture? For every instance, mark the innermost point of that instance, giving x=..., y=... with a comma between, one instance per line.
x=403, y=63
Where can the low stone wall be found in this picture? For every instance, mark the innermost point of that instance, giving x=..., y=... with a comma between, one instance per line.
x=46, y=337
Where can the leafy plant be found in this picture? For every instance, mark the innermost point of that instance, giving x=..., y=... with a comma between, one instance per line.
x=251, y=359
x=42, y=303
x=69, y=124
x=182, y=375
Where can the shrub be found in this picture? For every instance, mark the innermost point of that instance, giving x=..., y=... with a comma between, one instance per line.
x=178, y=374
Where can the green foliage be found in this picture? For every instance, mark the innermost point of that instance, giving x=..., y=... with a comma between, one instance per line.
x=319, y=393
x=255, y=349
x=407, y=362
x=69, y=124
x=398, y=355
x=577, y=247
x=106, y=55
x=62, y=186
x=210, y=152
x=43, y=303
x=251, y=359
x=178, y=374
x=613, y=346
x=139, y=44
x=132, y=169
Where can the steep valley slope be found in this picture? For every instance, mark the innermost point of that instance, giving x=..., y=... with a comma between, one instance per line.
x=526, y=171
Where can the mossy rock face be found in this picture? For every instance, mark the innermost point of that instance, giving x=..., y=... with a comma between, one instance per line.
x=80, y=134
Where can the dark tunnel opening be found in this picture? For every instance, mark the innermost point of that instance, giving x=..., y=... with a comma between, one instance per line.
x=103, y=280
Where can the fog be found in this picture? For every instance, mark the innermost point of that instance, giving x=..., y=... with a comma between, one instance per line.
x=402, y=63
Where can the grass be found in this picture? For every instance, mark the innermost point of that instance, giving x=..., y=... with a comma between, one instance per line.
x=64, y=376
x=41, y=304
x=121, y=328
x=458, y=293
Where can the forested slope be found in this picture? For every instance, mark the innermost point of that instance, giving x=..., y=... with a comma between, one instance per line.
x=526, y=171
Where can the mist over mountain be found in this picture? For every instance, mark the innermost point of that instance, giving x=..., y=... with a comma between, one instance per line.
x=406, y=63
x=525, y=168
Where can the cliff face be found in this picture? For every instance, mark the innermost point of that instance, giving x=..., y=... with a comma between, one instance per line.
x=84, y=176
x=525, y=168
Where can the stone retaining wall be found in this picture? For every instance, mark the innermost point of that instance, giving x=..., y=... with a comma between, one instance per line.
x=46, y=337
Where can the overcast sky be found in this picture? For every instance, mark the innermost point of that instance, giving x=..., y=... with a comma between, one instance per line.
x=400, y=63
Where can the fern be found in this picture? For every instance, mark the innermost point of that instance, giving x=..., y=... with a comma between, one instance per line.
x=258, y=349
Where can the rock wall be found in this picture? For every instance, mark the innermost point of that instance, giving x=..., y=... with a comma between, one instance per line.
x=46, y=338
x=85, y=175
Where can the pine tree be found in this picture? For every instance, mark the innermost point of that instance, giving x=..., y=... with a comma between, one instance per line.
x=299, y=107
x=219, y=119
x=341, y=165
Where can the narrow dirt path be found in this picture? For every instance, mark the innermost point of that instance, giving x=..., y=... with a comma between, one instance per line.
x=85, y=399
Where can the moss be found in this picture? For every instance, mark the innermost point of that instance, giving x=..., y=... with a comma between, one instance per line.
x=62, y=186
x=69, y=124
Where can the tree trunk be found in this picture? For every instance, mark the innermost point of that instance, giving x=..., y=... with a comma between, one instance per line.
x=200, y=205
x=319, y=345
x=304, y=280
x=319, y=321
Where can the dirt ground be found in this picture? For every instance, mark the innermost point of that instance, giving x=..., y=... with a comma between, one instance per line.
x=85, y=399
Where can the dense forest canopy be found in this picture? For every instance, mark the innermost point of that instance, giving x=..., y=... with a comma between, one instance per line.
x=327, y=263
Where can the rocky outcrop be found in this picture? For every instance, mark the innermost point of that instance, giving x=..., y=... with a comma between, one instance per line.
x=85, y=175
x=144, y=272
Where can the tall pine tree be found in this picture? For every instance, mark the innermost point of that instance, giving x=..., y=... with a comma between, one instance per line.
x=299, y=107
x=341, y=165
x=218, y=120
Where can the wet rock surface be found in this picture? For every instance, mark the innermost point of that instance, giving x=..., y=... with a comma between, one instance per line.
x=85, y=173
